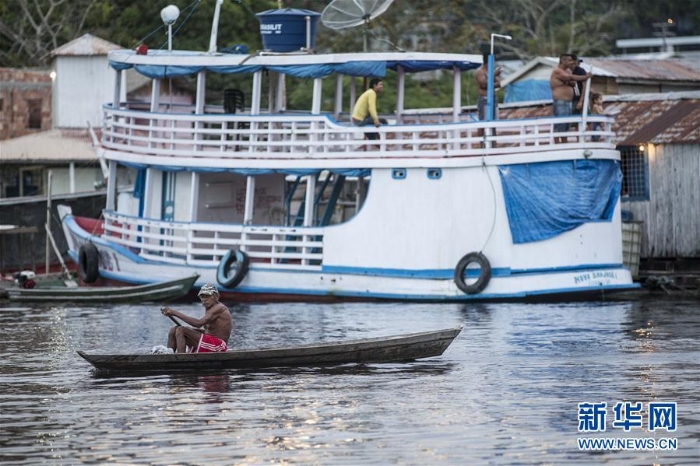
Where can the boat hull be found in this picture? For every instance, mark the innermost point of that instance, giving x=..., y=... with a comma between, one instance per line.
x=399, y=348
x=158, y=291
x=263, y=283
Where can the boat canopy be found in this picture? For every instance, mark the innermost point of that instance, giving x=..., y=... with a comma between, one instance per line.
x=351, y=66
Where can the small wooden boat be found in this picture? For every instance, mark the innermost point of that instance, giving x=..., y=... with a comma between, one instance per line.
x=160, y=291
x=397, y=348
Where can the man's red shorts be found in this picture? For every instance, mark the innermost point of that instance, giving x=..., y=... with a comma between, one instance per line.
x=210, y=344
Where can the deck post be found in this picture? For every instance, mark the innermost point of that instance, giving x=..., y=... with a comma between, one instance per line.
x=338, y=95
x=194, y=196
x=249, y=200
x=155, y=103
x=400, y=92
x=309, y=200
x=353, y=92
x=199, y=105
x=255, y=109
x=116, y=101
x=112, y=186
x=280, y=96
x=309, y=212
x=456, y=93
x=316, y=104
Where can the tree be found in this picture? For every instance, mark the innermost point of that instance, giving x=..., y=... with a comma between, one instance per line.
x=29, y=30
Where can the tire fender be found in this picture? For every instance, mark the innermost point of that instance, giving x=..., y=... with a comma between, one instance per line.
x=232, y=269
x=484, y=274
x=88, y=263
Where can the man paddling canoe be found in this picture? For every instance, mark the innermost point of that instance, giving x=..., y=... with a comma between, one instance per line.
x=211, y=332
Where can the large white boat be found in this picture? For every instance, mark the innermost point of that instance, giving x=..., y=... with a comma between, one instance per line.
x=278, y=204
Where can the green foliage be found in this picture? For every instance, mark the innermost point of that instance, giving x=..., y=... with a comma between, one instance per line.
x=30, y=29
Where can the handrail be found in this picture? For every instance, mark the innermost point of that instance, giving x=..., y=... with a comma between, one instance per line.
x=204, y=244
x=239, y=136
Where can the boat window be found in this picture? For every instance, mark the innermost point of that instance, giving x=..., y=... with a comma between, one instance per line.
x=337, y=198
x=398, y=173
x=434, y=173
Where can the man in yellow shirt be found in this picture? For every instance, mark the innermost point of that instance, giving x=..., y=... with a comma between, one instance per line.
x=365, y=111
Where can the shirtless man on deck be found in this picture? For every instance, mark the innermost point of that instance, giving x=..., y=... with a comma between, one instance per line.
x=210, y=333
x=562, y=83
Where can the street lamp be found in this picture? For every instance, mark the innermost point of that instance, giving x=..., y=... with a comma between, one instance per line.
x=169, y=15
x=490, y=88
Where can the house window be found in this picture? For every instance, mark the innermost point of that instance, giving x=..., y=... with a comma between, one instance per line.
x=635, y=173
x=34, y=114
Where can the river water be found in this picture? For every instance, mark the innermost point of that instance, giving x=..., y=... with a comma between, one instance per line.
x=506, y=392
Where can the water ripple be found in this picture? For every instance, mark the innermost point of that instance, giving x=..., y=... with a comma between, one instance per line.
x=505, y=392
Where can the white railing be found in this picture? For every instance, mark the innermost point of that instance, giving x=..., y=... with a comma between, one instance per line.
x=205, y=243
x=271, y=137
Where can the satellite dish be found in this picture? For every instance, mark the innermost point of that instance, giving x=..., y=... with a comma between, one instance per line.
x=341, y=14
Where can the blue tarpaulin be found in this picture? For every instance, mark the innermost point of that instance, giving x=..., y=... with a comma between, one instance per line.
x=546, y=199
x=527, y=90
x=356, y=68
x=141, y=178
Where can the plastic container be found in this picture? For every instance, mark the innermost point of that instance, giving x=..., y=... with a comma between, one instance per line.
x=285, y=30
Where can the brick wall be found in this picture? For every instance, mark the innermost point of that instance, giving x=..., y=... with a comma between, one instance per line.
x=25, y=102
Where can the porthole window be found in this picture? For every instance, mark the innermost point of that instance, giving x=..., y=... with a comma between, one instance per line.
x=398, y=173
x=434, y=173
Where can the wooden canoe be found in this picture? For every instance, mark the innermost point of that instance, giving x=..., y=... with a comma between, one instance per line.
x=399, y=348
x=160, y=291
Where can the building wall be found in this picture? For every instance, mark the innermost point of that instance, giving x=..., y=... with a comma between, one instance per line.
x=671, y=216
x=25, y=102
x=85, y=179
x=81, y=86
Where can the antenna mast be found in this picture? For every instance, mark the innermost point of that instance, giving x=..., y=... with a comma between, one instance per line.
x=215, y=27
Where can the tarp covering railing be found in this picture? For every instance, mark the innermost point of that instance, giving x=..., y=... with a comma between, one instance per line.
x=546, y=199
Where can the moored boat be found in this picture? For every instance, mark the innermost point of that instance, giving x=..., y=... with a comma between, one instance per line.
x=157, y=291
x=274, y=203
x=398, y=348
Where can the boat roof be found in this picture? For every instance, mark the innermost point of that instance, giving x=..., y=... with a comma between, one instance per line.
x=170, y=64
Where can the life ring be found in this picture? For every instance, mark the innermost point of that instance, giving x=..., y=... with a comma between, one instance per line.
x=88, y=263
x=239, y=260
x=484, y=273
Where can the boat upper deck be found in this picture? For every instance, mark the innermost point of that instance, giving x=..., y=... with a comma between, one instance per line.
x=162, y=133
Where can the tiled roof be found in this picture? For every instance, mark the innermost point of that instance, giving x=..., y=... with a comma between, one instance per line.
x=52, y=146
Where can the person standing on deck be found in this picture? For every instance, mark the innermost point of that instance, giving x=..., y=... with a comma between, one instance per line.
x=580, y=86
x=365, y=111
x=562, y=83
x=210, y=333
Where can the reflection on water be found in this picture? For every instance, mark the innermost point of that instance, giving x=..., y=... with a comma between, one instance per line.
x=505, y=392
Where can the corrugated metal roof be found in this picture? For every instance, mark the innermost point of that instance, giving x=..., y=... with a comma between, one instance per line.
x=623, y=70
x=639, y=118
x=654, y=70
x=86, y=45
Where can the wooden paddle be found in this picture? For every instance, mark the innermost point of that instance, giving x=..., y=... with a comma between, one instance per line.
x=173, y=319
